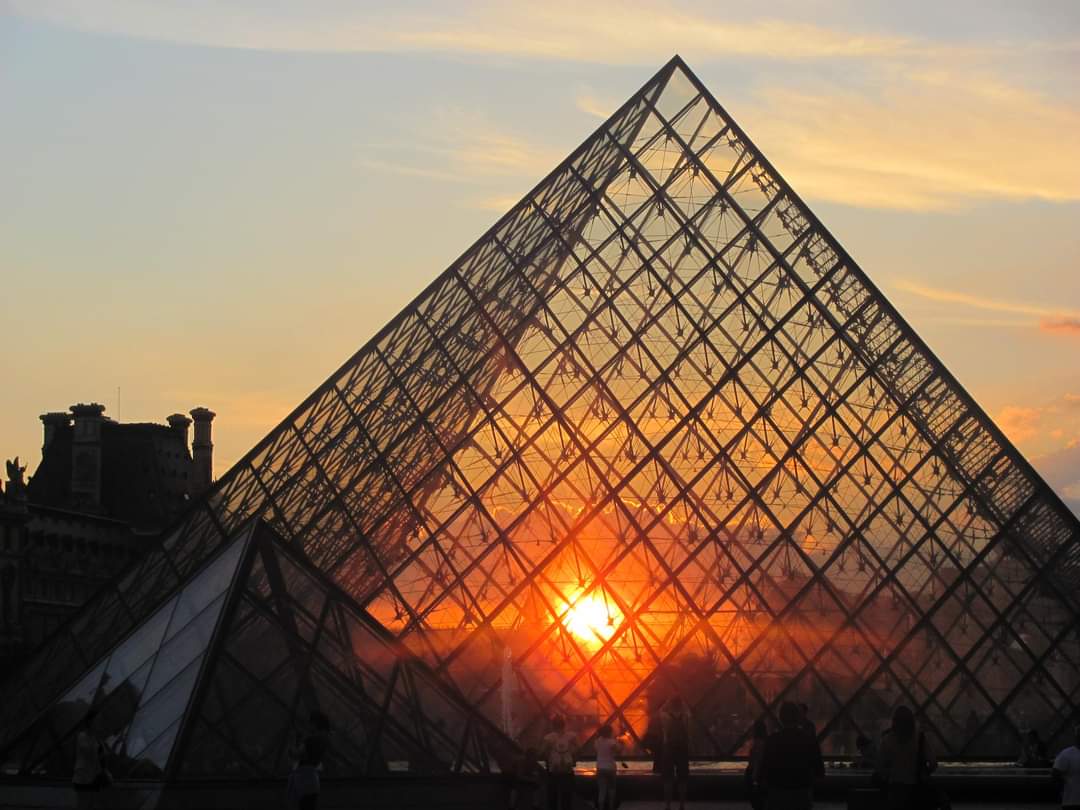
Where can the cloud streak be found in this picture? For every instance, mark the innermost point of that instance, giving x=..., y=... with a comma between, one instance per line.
x=1062, y=326
x=603, y=31
x=460, y=147
x=590, y=105
x=1019, y=423
x=929, y=125
x=995, y=305
x=1050, y=318
x=921, y=140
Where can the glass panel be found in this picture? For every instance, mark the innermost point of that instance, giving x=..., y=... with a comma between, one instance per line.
x=209, y=754
x=205, y=588
x=150, y=762
x=258, y=727
x=67, y=712
x=302, y=588
x=258, y=643
x=189, y=643
x=156, y=715
x=116, y=713
x=138, y=648
x=86, y=689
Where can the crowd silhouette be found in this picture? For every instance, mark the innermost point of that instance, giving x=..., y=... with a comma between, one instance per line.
x=783, y=767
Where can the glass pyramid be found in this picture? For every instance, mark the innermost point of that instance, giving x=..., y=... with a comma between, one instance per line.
x=654, y=433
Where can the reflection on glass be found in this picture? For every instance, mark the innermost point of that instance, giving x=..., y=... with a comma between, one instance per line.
x=150, y=762
x=157, y=714
x=205, y=588
x=184, y=647
x=143, y=685
x=139, y=647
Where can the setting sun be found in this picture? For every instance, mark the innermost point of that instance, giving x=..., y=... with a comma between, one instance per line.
x=591, y=618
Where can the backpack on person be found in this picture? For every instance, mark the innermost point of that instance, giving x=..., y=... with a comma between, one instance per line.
x=561, y=755
x=678, y=732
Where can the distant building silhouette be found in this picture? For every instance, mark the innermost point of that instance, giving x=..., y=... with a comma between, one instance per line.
x=102, y=491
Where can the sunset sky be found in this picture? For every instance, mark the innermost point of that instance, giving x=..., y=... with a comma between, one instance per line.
x=208, y=203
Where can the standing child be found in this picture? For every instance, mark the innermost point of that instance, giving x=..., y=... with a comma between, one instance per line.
x=606, y=748
x=559, y=752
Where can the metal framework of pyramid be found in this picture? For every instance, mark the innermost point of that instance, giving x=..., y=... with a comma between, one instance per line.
x=654, y=433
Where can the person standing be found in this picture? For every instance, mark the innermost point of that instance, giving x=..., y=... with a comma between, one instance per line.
x=905, y=762
x=753, y=766
x=558, y=750
x=606, y=748
x=309, y=750
x=90, y=775
x=1067, y=772
x=791, y=763
x=527, y=777
x=675, y=722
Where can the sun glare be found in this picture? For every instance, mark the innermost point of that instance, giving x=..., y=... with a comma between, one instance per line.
x=591, y=618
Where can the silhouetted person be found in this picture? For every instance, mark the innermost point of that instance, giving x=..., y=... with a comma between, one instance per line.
x=867, y=753
x=526, y=779
x=309, y=750
x=675, y=748
x=905, y=763
x=1032, y=751
x=606, y=748
x=791, y=763
x=753, y=766
x=558, y=751
x=1067, y=772
x=805, y=722
x=90, y=776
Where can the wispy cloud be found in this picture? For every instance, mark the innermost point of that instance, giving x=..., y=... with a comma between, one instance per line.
x=1042, y=428
x=462, y=148
x=1019, y=423
x=591, y=105
x=1065, y=326
x=1049, y=318
x=603, y=31
x=983, y=323
x=922, y=140
x=408, y=170
x=499, y=202
x=996, y=305
x=930, y=125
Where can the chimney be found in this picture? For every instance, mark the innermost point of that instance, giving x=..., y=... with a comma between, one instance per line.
x=86, y=454
x=179, y=423
x=53, y=422
x=202, y=451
